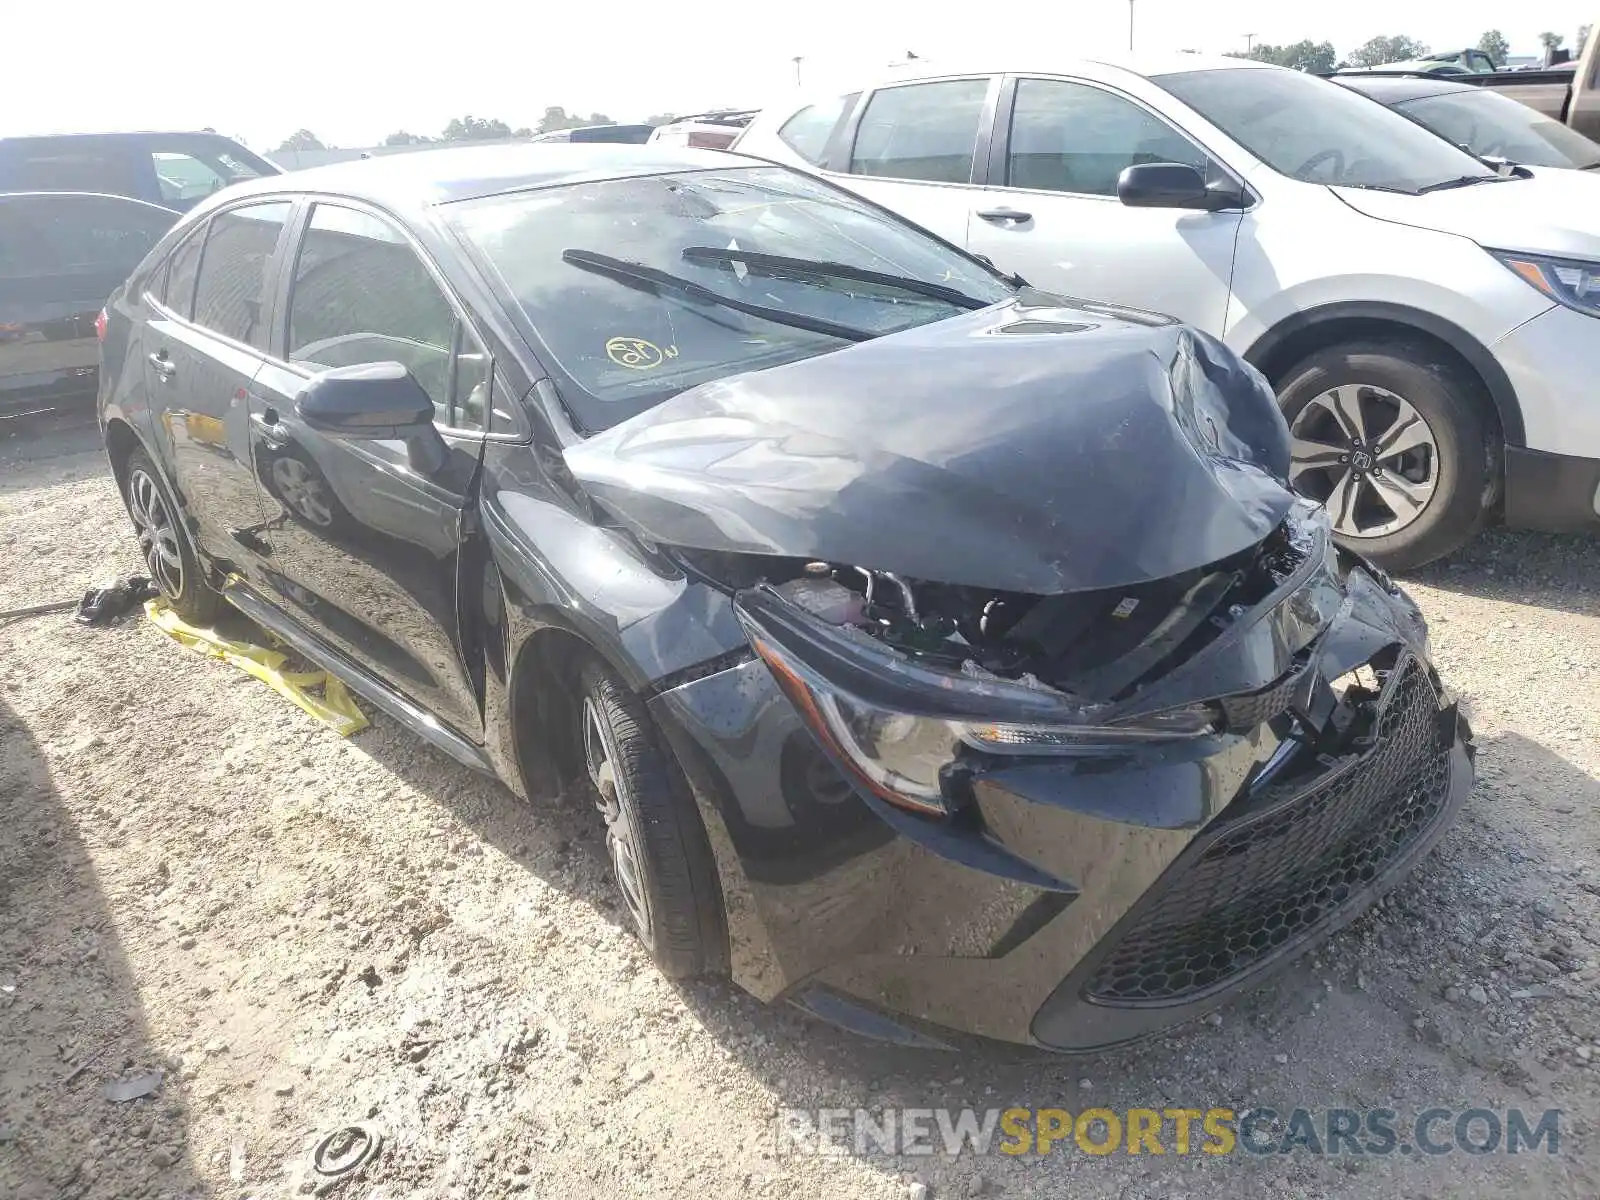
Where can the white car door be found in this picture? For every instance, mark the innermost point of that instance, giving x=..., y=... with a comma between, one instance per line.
x=915, y=146
x=1060, y=146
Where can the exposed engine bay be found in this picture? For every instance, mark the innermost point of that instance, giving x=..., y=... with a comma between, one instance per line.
x=1096, y=646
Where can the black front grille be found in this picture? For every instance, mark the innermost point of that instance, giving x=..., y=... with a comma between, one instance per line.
x=1244, y=712
x=1253, y=885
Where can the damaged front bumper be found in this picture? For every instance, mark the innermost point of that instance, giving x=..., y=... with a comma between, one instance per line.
x=1083, y=899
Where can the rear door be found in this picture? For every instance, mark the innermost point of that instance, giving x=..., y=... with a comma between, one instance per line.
x=204, y=345
x=1053, y=216
x=61, y=256
x=916, y=148
x=367, y=541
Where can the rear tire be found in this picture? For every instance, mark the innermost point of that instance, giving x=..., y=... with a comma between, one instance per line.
x=165, y=545
x=659, y=853
x=1406, y=509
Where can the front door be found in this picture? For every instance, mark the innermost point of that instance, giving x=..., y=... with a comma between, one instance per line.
x=1057, y=220
x=203, y=347
x=367, y=533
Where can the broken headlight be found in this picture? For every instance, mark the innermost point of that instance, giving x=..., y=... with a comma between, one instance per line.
x=904, y=756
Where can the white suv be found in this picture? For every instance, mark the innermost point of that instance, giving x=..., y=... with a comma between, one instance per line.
x=1432, y=327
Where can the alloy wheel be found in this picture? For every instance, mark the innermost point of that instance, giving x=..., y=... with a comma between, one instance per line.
x=302, y=491
x=1366, y=454
x=622, y=838
x=157, y=532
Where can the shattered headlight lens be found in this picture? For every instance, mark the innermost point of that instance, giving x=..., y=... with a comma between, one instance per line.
x=1574, y=282
x=903, y=759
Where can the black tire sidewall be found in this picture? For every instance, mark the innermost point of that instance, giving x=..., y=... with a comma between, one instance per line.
x=1454, y=406
x=199, y=603
x=675, y=860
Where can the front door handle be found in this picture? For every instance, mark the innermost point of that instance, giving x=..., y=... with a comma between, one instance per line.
x=269, y=430
x=1003, y=216
x=163, y=366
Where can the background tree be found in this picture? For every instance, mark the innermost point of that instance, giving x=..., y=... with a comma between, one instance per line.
x=1551, y=41
x=555, y=117
x=474, y=129
x=1494, y=44
x=1303, y=55
x=1583, y=39
x=401, y=138
x=665, y=118
x=303, y=139
x=1381, y=50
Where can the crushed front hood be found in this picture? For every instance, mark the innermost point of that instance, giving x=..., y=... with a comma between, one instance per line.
x=1028, y=447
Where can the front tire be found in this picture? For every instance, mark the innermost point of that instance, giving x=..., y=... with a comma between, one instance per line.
x=165, y=545
x=659, y=853
x=1398, y=441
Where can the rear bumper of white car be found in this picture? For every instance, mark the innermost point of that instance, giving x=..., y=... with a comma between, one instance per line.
x=1553, y=480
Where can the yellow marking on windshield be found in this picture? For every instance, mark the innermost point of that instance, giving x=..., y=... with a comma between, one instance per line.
x=637, y=354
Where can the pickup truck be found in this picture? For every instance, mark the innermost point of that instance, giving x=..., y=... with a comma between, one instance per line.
x=1569, y=93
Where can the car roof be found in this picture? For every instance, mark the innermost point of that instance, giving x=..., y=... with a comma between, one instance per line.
x=422, y=178
x=1146, y=65
x=1397, y=89
x=120, y=136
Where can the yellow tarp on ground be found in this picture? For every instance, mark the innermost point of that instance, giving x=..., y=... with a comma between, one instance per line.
x=335, y=708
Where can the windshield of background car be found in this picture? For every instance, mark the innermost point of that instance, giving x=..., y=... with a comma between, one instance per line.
x=625, y=349
x=1318, y=132
x=1497, y=126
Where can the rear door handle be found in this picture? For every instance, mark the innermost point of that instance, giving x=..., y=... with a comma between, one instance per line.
x=269, y=430
x=1001, y=216
x=163, y=366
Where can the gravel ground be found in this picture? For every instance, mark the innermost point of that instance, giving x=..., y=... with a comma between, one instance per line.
x=302, y=931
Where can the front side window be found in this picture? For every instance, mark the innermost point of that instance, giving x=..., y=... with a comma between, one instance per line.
x=808, y=131
x=921, y=131
x=69, y=234
x=1496, y=126
x=1073, y=137
x=1316, y=131
x=185, y=177
x=231, y=295
x=779, y=266
x=362, y=295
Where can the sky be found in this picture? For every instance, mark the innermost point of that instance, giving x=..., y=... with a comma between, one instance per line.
x=353, y=73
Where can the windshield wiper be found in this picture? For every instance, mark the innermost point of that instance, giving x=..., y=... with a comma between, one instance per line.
x=1459, y=182
x=641, y=275
x=782, y=264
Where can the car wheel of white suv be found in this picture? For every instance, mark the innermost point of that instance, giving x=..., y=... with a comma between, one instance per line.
x=1396, y=440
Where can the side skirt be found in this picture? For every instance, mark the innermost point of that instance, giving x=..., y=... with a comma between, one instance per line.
x=418, y=720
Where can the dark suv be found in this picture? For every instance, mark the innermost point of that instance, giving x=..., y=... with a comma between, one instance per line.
x=173, y=170
x=61, y=255
x=936, y=651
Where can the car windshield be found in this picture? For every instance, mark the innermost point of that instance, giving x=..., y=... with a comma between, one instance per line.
x=1319, y=132
x=638, y=288
x=1497, y=126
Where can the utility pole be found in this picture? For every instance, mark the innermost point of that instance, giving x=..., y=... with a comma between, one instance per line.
x=1130, y=25
x=1249, y=42
x=798, y=59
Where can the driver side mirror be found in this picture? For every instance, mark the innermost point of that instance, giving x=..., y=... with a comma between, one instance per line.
x=374, y=402
x=1173, y=185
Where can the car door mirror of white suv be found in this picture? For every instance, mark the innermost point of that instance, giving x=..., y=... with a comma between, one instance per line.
x=1175, y=185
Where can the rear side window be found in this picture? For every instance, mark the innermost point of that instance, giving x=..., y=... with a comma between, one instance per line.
x=186, y=176
x=808, y=131
x=231, y=294
x=1072, y=137
x=183, y=268
x=71, y=166
x=362, y=295
x=77, y=234
x=921, y=131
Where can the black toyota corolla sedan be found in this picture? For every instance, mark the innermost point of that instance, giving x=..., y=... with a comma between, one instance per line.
x=940, y=654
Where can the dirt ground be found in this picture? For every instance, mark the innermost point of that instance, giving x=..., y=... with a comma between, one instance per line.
x=302, y=931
